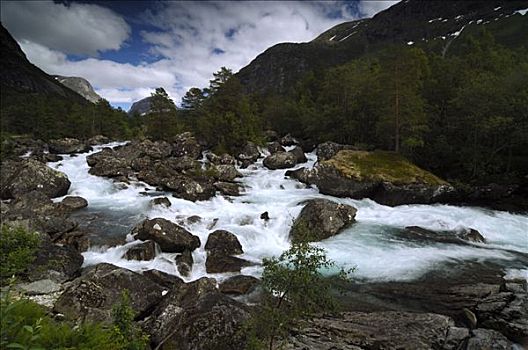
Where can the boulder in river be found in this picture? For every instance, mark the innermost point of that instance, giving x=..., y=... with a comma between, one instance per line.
x=92, y=296
x=223, y=242
x=74, y=202
x=320, y=219
x=280, y=160
x=228, y=188
x=98, y=140
x=420, y=234
x=239, y=285
x=288, y=140
x=299, y=155
x=163, y=201
x=327, y=150
x=184, y=263
x=220, y=263
x=274, y=147
x=142, y=251
x=249, y=154
x=170, y=237
x=29, y=175
x=67, y=146
x=226, y=172
x=385, y=177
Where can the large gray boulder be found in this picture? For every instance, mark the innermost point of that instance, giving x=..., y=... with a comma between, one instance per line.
x=186, y=145
x=195, y=316
x=320, y=219
x=223, y=242
x=327, y=150
x=170, y=237
x=280, y=160
x=249, y=154
x=28, y=175
x=385, y=177
x=67, y=146
x=92, y=296
x=226, y=172
x=376, y=330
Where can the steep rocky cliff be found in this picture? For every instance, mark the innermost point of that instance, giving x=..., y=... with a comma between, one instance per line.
x=80, y=86
x=18, y=76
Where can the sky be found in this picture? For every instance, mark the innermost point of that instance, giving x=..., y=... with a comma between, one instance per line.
x=126, y=49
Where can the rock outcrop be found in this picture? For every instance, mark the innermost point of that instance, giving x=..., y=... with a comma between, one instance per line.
x=385, y=177
x=29, y=175
x=170, y=237
x=92, y=296
x=280, y=160
x=320, y=219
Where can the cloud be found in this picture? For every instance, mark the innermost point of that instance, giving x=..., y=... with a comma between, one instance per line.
x=117, y=82
x=74, y=29
x=186, y=41
x=369, y=8
x=200, y=37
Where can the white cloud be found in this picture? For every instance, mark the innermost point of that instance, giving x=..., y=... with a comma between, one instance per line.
x=189, y=32
x=369, y=8
x=117, y=82
x=186, y=36
x=75, y=28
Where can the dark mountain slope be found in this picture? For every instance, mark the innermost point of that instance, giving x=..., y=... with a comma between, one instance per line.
x=433, y=25
x=19, y=77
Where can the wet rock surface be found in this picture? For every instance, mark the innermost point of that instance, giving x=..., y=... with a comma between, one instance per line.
x=24, y=176
x=170, y=237
x=92, y=296
x=239, y=285
x=320, y=219
x=67, y=146
x=141, y=251
x=280, y=160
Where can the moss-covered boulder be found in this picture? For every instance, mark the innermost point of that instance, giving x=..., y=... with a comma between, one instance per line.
x=386, y=177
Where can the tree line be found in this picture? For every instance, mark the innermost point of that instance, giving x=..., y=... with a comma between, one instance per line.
x=462, y=116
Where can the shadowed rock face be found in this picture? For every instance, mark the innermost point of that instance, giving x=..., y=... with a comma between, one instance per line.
x=29, y=175
x=140, y=107
x=320, y=219
x=80, y=86
x=18, y=75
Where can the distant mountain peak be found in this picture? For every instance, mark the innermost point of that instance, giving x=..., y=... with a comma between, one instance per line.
x=81, y=86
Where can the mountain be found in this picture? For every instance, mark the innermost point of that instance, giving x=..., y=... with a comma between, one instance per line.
x=19, y=77
x=431, y=25
x=140, y=107
x=80, y=86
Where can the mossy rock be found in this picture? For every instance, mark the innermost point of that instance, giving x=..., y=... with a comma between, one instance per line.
x=380, y=166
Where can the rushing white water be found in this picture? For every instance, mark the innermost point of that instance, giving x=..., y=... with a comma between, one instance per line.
x=369, y=245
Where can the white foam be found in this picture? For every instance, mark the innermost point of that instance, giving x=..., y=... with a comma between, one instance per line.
x=369, y=244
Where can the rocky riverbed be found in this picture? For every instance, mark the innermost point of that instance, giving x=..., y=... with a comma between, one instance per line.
x=184, y=230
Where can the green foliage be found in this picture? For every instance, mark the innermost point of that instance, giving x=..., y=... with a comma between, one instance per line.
x=293, y=288
x=126, y=333
x=25, y=325
x=162, y=122
x=48, y=117
x=227, y=118
x=462, y=116
x=17, y=250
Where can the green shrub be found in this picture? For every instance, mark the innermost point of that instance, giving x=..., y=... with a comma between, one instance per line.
x=17, y=250
x=293, y=288
x=25, y=325
x=126, y=333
